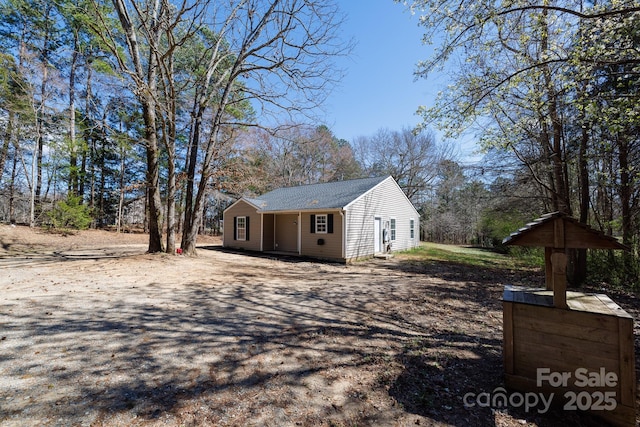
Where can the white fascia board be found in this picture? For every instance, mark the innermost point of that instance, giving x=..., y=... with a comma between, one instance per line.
x=369, y=191
x=242, y=199
x=297, y=211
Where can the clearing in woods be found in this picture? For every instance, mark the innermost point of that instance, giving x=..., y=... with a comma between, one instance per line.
x=93, y=331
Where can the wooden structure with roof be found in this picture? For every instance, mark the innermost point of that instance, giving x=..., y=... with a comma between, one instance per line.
x=563, y=332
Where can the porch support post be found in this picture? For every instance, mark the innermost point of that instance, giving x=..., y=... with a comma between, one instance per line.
x=261, y=232
x=343, y=218
x=299, y=233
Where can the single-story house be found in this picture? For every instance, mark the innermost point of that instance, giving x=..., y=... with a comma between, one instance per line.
x=341, y=221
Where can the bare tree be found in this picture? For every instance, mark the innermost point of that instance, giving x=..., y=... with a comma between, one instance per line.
x=275, y=55
x=271, y=56
x=154, y=32
x=141, y=66
x=411, y=157
x=298, y=155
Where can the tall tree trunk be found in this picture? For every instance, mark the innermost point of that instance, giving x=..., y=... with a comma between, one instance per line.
x=147, y=85
x=92, y=167
x=12, y=185
x=557, y=155
x=46, y=52
x=122, y=189
x=169, y=136
x=38, y=155
x=188, y=234
x=102, y=188
x=171, y=190
x=73, y=186
x=145, y=223
x=561, y=198
x=8, y=135
x=153, y=176
x=87, y=138
x=624, y=192
x=580, y=273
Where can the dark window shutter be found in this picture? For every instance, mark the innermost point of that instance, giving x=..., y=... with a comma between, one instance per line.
x=246, y=228
x=235, y=228
x=330, y=223
x=313, y=224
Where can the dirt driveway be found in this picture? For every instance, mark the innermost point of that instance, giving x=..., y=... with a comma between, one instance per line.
x=95, y=332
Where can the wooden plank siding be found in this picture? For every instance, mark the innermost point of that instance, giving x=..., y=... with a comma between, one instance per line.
x=386, y=201
x=560, y=231
x=539, y=336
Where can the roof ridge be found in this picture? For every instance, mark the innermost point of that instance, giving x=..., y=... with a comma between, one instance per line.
x=323, y=195
x=381, y=178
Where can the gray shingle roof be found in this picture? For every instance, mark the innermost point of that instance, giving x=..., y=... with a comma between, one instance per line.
x=330, y=195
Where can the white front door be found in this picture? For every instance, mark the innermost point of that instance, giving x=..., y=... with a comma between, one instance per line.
x=377, y=233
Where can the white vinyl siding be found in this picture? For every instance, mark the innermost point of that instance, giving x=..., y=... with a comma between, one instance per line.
x=386, y=200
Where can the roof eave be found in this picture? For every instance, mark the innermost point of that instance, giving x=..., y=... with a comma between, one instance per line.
x=242, y=199
x=286, y=211
x=365, y=193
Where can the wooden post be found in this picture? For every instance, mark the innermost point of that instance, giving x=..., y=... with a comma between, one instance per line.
x=558, y=233
x=548, y=270
x=627, y=363
x=559, y=266
x=507, y=325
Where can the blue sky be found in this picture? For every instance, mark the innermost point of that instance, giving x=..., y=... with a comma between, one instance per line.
x=380, y=90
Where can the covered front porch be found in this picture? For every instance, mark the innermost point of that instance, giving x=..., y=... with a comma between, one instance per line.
x=281, y=233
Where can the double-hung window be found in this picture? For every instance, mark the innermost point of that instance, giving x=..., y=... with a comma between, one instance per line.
x=393, y=229
x=412, y=228
x=241, y=228
x=321, y=224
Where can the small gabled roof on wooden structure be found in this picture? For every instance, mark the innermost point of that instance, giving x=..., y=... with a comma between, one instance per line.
x=557, y=230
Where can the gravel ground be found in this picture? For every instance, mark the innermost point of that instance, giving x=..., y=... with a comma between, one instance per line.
x=95, y=332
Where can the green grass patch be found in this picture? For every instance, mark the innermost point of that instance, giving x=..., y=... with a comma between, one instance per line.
x=471, y=256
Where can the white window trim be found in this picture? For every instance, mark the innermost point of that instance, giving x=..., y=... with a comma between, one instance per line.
x=244, y=228
x=412, y=228
x=325, y=223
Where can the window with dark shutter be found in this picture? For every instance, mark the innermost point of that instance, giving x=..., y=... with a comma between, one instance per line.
x=235, y=228
x=313, y=224
x=330, y=223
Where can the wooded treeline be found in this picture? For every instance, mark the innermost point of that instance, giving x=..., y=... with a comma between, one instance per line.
x=551, y=90
x=136, y=108
x=156, y=114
